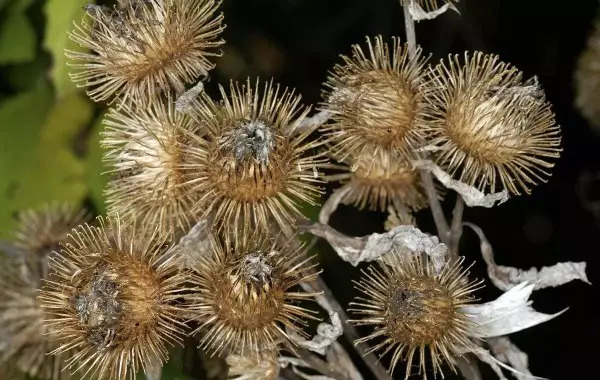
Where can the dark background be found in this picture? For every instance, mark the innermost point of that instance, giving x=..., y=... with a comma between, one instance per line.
x=298, y=41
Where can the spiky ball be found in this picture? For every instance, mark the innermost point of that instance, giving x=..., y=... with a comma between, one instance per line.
x=40, y=231
x=263, y=366
x=377, y=100
x=113, y=298
x=415, y=312
x=587, y=78
x=144, y=47
x=381, y=180
x=23, y=333
x=251, y=166
x=489, y=128
x=147, y=153
x=247, y=295
x=24, y=341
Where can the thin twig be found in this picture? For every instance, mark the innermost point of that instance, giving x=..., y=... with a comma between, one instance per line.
x=434, y=203
x=350, y=332
x=436, y=207
x=319, y=365
x=456, y=228
x=411, y=37
x=468, y=368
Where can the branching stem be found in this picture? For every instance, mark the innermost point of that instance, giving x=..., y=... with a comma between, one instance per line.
x=351, y=334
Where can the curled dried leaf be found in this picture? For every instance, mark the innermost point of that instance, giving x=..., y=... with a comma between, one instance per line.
x=504, y=277
x=471, y=195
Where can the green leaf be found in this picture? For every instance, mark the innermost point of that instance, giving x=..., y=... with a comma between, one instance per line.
x=173, y=368
x=26, y=76
x=60, y=15
x=17, y=38
x=95, y=167
x=37, y=153
x=21, y=120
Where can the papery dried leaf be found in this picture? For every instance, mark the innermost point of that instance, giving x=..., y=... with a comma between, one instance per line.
x=310, y=123
x=332, y=203
x=504, y=350
x=192, y=247
x=468, y=369
x=509, y=313
x=184, y=102
x=418, y=13
x=471, y=195
x=504, y=277
x=326, y=335
x=407, y=240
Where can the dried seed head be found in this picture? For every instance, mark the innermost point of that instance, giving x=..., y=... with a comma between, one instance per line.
x=22, y=330
x=587, y=78
x=250, y=166
x=147, y=152
x=414, y=310
x=401, y=217
x=247, y=295
x=429, y=5
x=253, y=367
x=112, y=296
x=40, y=231
x=23, y=335
x=377, y=100
x=381, y=180
x=145, y=46
x=489, y=128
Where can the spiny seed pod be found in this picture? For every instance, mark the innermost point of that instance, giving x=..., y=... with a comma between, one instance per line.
x=40, y=231
x=250, y=166
x=113, y=297
x=247, y=295
x=416, y=311
x=145, y=46
x=377, y=100
x=147, y=149
x=253, y=367
x=24, y=341
x=22, y=327
x=587, y=78
x=381, y=180
x=489, y=128
x=429, y=5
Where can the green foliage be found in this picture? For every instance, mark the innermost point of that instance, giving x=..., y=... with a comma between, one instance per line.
x=60, y=15
x=17, y=37
x=37, y=155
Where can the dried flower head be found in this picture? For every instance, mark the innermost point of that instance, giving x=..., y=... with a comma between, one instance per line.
x=22, y=329
x=416, y=311
x=145, y=46
x=41, y=231
x=250, y=166
x=247, y=295
x=381, y=180
x=587, y=78
x=491, y=129
x=147, y=149
x=397, y=218
x=113, y=297
x=253, y=367
x=23, y=335
x=429, y=5
x=377, y=100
